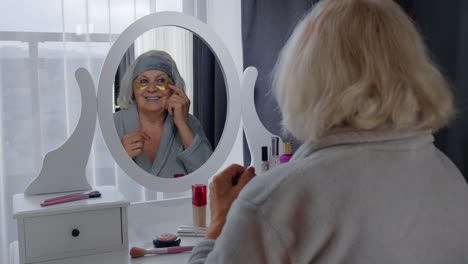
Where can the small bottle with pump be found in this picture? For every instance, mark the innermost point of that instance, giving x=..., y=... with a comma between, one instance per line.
x=199, y=205
x=287, y=152
x=264, y=164
x=274, y=159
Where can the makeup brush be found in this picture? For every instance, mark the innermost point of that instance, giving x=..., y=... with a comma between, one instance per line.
x=137, y=252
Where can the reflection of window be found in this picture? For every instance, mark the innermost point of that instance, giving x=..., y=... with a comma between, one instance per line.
x=178, y=43
x=42, y=43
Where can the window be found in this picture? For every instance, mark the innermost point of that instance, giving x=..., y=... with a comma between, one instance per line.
x=42, y=43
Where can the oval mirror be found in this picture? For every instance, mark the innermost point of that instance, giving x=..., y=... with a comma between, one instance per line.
x=143, y=171
x=171, y=102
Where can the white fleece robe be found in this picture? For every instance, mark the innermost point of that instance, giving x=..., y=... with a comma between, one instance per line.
x=352, y=198
x=171, y=157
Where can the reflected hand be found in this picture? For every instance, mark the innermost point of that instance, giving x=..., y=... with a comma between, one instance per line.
x=133, y=143
x=178, y=106
x=224, y=190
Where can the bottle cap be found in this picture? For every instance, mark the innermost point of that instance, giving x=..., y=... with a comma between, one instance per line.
x=274, y=146
x=288, y=148
x=264, y=153
x=199, y=194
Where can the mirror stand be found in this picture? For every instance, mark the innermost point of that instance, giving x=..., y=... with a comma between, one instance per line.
x=64, y=169
x=255, y=132
x=91, y=225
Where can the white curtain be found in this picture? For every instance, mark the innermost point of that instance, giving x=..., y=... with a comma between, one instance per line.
x=42, y=43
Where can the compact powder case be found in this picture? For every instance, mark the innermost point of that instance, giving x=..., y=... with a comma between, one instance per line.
x=166, y=240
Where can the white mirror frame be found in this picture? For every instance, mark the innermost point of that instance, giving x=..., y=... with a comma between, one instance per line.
x=105, y=99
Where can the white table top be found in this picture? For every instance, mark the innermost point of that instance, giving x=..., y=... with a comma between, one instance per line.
x=28, y=206
x=116, y=257
x=145, y=221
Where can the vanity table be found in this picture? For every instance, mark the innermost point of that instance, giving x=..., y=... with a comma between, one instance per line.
x=145, y=221
x=115, y=224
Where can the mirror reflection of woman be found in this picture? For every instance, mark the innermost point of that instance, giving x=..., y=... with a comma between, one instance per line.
x=154, y=124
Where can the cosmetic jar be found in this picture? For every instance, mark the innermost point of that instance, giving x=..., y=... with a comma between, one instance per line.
x=166, y=240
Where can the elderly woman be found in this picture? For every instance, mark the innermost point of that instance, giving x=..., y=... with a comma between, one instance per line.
x=356, y=84
x=154, y=124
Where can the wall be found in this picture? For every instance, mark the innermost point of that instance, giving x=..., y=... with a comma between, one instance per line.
x=225, y=19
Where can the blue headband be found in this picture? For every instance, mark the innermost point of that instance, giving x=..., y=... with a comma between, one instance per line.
x=153, y=63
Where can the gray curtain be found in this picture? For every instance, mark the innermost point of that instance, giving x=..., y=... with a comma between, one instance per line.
x=444, y=25
x=209, y=92
x=127, y=59
x=266, y=25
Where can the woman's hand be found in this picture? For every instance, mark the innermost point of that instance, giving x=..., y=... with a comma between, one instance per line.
x=178, y=106
x=224, y=189
x=133, y=143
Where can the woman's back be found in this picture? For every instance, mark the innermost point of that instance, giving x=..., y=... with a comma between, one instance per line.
x=380, y=192
x=384, y=199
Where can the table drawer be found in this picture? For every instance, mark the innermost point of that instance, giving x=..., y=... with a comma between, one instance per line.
x=72, y=234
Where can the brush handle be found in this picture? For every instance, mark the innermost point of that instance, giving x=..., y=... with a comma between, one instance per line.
x=64, y=197
x=169, y=250
x=78, y=194
x=66, y=200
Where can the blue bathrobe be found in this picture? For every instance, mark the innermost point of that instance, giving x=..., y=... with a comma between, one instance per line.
x=171, y=157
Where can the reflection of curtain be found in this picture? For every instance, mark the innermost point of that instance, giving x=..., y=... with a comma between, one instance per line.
x=39, y=96
x=127, y=59
x=209, y=92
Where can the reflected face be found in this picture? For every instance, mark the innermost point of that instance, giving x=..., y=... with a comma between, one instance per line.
x=151, y=90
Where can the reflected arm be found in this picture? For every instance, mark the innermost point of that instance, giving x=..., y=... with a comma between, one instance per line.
x=199, y=151
x=186, y=135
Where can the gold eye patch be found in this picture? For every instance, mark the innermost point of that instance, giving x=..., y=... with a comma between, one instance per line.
x=140, y=86
x=162, y=87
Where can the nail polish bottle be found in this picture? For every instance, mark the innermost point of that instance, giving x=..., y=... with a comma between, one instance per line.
x=287, y=152
x=274, y=158
x=264, y=164
x=199, y=205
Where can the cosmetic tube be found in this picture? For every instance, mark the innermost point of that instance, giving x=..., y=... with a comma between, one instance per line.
x=274, y=158
x=199, y=205
x=191, y=231
x=264, y=164
x=287, y=152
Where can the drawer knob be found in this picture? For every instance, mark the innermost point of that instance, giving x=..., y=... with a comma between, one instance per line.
x=75, y=232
